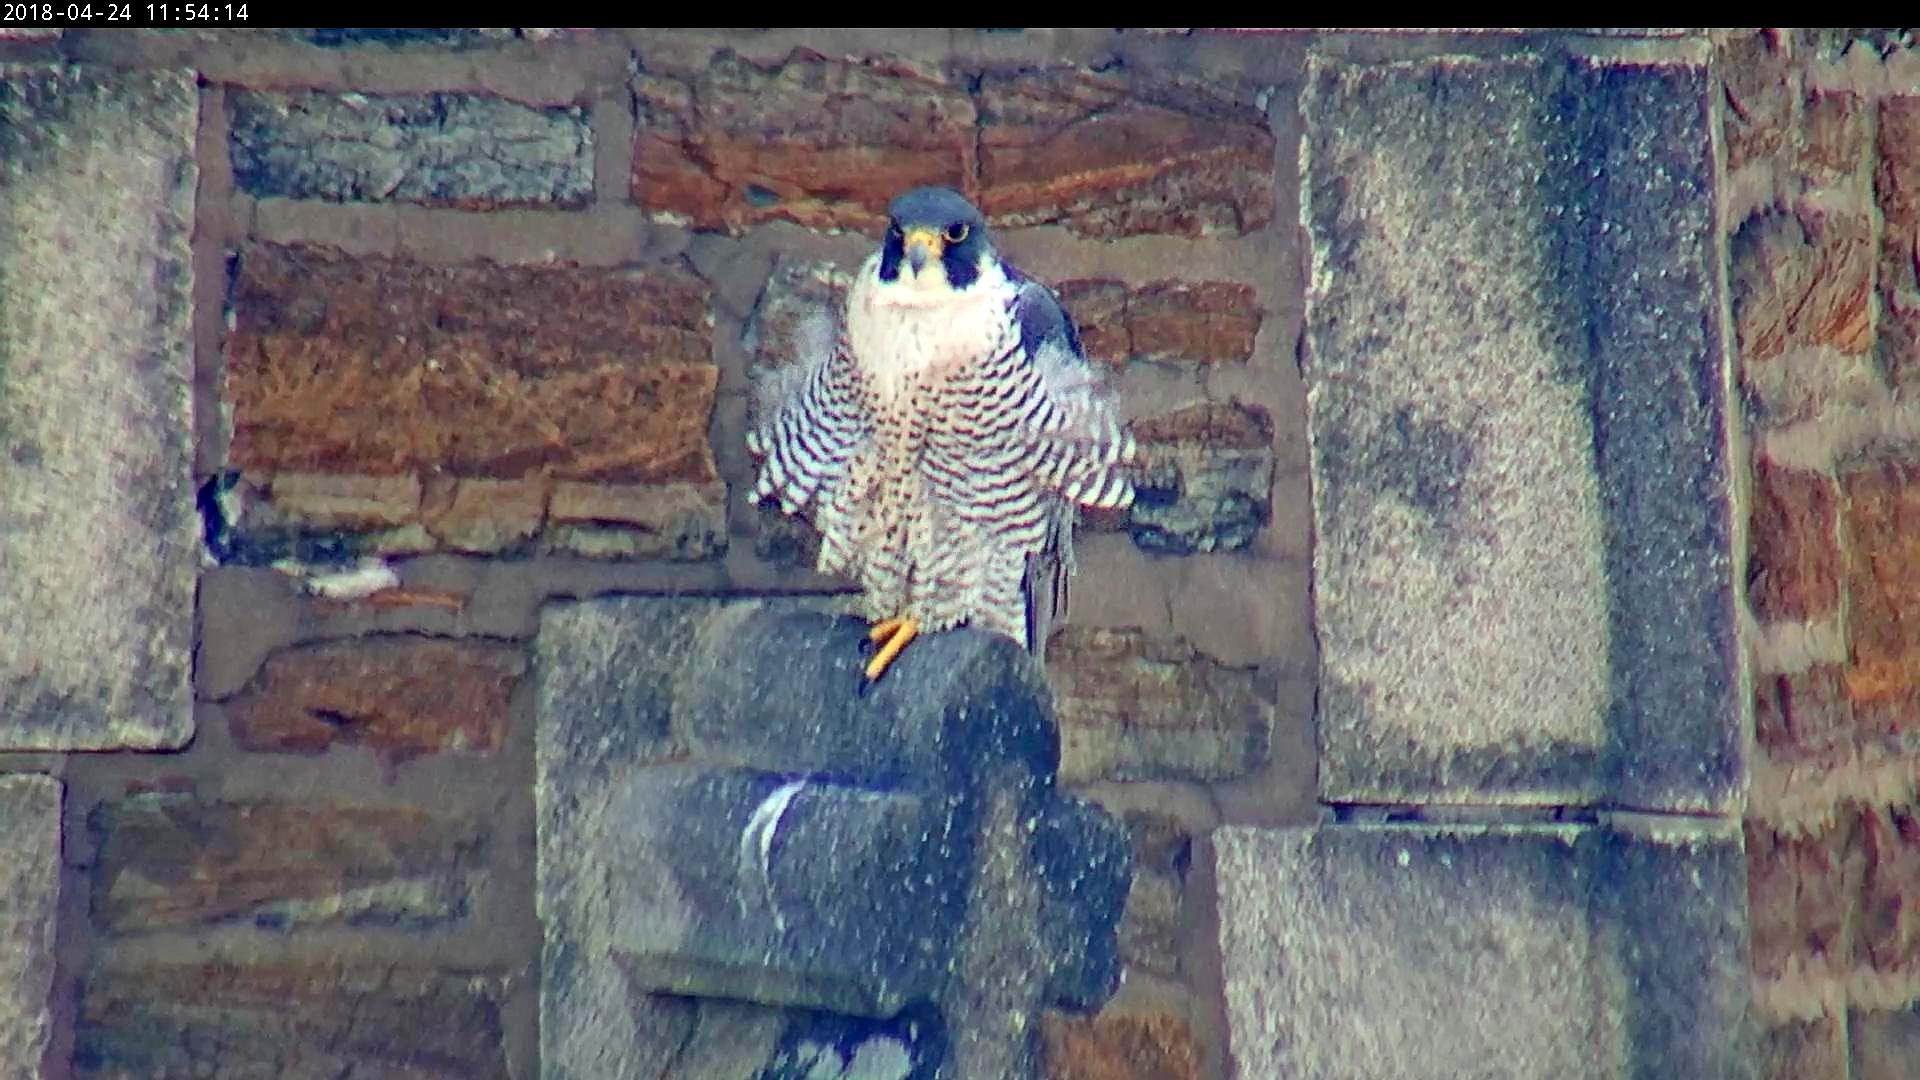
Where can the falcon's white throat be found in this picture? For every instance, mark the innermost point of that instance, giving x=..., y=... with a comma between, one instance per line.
x=919, y=323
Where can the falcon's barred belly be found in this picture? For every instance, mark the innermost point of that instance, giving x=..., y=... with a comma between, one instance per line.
x=944, y=442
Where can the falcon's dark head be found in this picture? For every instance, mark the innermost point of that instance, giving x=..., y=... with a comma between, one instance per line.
x=936, y=241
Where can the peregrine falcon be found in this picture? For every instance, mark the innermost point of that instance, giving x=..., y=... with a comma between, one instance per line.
x=945, y=438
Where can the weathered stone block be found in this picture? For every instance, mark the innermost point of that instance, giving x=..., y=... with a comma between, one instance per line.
x=1803, y=309
x=818, y=141
x=1206, y=322
x=465, y=150
x=399, y=695
x=29, y=892
x=480, y=515
x=477, y=370
x=1883, y=1044
x=671, y=521
x=1116, y=153
x=1757, y=83
x=301, y=1016
x=1488, y=951
x=172, y=860
x=1135, y=706
x=1119, y=1044
x=1150, y=928
x=1805, y=1050
x=1882, y=516
x=1896, y=188
x=822, y=848
x=1205, y=482
x=1519, y=434
x=1834, y=147
x=1795, y=565
x=98, y=541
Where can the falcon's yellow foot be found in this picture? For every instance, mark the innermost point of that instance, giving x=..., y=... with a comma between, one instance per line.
x=891, y=636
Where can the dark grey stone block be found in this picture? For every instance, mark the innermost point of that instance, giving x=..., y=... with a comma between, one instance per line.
x=722, y=815
x=1519, y=431
x=99, y=544
x=443, y=149
x=1488, y=951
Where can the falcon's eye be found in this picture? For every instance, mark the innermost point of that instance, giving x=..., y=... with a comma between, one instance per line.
x=956, y=232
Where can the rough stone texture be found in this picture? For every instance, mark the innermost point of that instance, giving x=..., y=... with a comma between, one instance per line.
x=818, y=141
x=446, y=149
x=1205, y=482
x=1896, y=186
x=671, y=521
x=1794, y=565
x=98, y=541
x=400, y=695
x=453, y=37
x=1834, y=148
x=1114, y=153
x=1208, y=322
x=306, y=1017
x=1518, y=435
x=1802, y=281
x=480, y=515
x=1810, y=1050
x=1801, y=891
x=330, y=500
x=1119, y=1045
x=1135, y=706
x=942, y=766
x=29, y=889
x=172, y=860
x=1882, y=519
x=1489, y=951
x=1885, y=1044
x=476, y=369
x=1756, y=71
x=1804, y=715
x=1150, y=928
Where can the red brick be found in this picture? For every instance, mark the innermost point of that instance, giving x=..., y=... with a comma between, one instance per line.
x=1114, y=154
x=1204, y=322
x=1799, y=890
x=1882, y=519
x=1794, y=564
x=1099, y=311
x=1805, y=1050
x=1156, y=1044
x=1834, y=147
x=1800, y=280
x=382, y=366
x=1887, y=918
x=169, y=860
x=1757, y=95
x=399, y=694
x=1896, y=182
x=295, y=1016
x=1803, y=715
x=822, y=142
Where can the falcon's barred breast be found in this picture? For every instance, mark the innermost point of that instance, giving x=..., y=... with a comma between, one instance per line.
x=945, y=439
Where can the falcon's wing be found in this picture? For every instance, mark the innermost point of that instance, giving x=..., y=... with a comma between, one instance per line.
x=1083, y=450
x=1084, y=447
x=808, y=419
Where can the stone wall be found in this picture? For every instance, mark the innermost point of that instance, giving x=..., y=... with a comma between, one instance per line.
x=1523, y=508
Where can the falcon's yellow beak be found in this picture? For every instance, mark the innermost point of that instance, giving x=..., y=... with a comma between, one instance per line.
x=923, y=245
